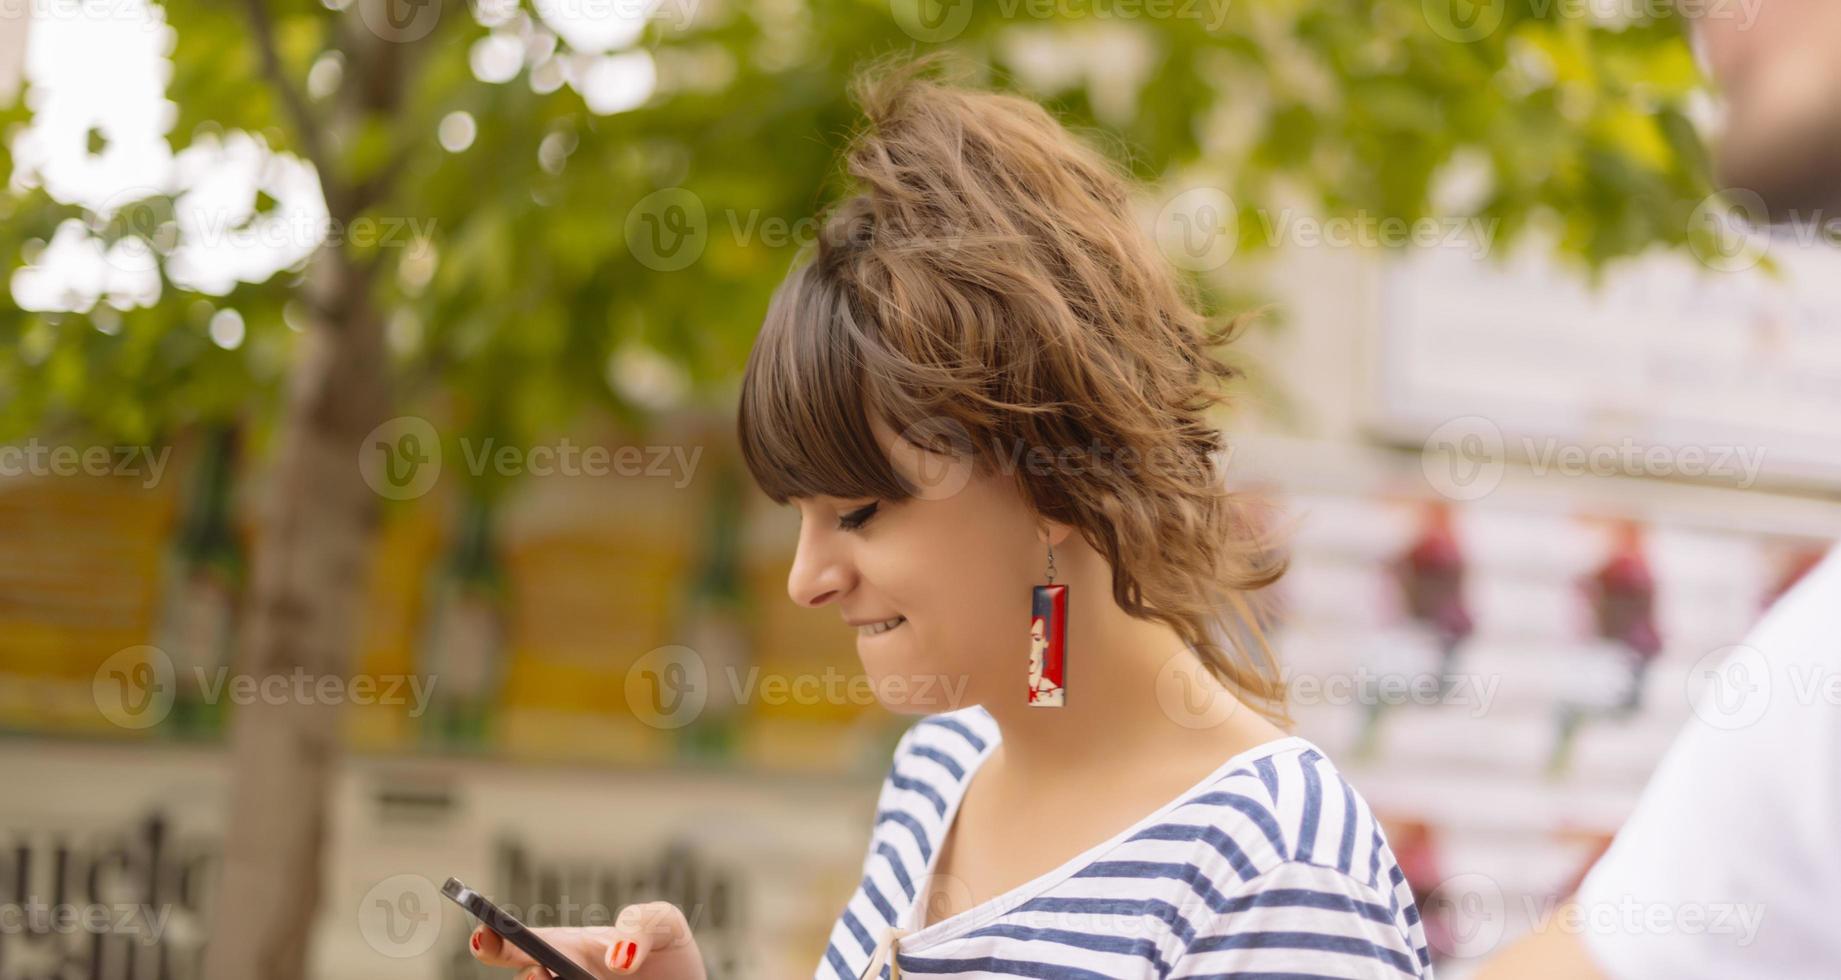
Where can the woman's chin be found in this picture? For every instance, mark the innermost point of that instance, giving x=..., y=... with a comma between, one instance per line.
x=906, y=685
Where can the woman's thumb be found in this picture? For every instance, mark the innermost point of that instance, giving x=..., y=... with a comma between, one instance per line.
x=644, y=931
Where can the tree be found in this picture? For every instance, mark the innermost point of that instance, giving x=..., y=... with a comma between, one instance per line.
x=571, y=234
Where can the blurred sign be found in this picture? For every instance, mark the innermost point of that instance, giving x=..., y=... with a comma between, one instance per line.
x=107, y=868
x=1669, y=368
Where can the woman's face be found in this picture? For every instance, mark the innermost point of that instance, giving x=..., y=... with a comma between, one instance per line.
x=953, y=564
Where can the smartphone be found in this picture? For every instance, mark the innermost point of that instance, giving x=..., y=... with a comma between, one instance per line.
x=506, y=925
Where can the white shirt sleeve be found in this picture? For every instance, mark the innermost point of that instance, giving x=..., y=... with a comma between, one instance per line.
x=1729, y=866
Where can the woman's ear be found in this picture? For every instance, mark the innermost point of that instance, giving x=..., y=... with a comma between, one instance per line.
x=1053, y=533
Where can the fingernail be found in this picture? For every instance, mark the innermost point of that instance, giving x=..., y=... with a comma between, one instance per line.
x=476, y=941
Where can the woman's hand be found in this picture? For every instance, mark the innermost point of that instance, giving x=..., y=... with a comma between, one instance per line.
x=649, y=940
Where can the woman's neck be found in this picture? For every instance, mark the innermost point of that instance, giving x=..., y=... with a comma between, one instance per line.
x=1133, y=688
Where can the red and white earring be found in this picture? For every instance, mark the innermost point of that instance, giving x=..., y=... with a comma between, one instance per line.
x=1048, y=635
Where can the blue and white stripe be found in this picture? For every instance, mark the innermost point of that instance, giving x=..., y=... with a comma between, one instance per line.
x=1275, y=868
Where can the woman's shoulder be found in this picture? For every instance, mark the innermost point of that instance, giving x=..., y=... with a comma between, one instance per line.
x=1284, y=833
x=1285, y=803
x=968, y=731
x=936, y=753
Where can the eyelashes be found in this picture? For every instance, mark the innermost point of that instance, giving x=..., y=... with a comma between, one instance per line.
x=857, y=518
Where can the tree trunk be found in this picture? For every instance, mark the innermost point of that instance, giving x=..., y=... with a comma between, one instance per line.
x=313, y=544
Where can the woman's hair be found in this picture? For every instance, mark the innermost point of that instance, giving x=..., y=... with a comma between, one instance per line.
x=988, y=292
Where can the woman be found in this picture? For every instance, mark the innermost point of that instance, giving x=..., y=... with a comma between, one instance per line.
x=985, y=395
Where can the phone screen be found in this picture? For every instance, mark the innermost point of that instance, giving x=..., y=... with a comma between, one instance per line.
x=506, y=925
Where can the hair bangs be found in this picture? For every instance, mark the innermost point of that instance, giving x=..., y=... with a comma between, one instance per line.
x=804, y=416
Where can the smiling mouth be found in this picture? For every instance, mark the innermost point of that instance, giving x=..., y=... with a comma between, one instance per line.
x=874, y=629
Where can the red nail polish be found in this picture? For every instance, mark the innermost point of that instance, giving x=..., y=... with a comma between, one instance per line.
x=631, y=950
x=476, y=941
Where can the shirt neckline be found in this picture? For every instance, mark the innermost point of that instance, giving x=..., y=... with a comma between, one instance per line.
x=977, y=915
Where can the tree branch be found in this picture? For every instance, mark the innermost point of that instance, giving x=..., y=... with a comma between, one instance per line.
x=307, y=125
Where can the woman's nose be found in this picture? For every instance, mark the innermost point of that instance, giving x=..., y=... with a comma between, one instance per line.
x=819, y=573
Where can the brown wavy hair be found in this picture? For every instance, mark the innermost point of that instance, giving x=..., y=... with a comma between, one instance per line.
x=986, y=289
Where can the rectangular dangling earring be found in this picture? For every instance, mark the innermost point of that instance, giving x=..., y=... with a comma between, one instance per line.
x=1048, y=635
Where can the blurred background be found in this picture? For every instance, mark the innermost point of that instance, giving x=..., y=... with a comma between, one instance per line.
x=370, y=510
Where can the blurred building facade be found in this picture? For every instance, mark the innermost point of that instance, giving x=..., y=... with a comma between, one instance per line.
x=1533, y=518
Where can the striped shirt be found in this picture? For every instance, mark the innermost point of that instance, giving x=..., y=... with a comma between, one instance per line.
x=1271, y=867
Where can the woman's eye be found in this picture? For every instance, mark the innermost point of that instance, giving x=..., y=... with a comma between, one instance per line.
x=856, y=518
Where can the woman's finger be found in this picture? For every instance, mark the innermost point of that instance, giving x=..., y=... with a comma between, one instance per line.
x=491, y=949
x=649, y=930
x=654, y=933
x=583, y=945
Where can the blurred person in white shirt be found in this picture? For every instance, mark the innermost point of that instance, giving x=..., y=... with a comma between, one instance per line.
x=1730, y=867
